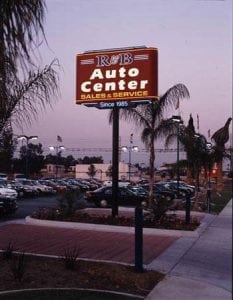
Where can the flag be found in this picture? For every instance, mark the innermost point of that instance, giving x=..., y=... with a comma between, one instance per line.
x=197, y=122
x=131, y=138
x=59, y=139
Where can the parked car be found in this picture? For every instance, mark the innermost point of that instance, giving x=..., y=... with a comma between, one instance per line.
x=166, y=194
x=8, y=202
x=58, y=187
x=121, y=183
x=3, y=176
x=22, y=190
x=102, y=197
x=172, y=186
x=29, y=185
x=43, y=189
x=18, y=176
x=143, y=181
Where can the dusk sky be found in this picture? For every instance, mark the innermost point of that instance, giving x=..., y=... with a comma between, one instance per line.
x=194, y=40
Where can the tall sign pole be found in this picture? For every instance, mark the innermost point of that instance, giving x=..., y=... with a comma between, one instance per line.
x=114, y=79
x=115, y=160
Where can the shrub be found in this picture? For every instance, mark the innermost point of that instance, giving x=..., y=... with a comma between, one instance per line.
x=8, y=252
x=18, y=266
x=47, y=214
x=68, y=202
x=159, y=208
x=70, y=258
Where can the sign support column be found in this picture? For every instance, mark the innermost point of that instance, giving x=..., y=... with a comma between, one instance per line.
x=115, y=160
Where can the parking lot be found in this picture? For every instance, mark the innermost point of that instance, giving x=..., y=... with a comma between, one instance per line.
x=31, y=195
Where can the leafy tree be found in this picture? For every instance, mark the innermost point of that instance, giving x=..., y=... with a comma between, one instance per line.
x=91, y=171
x=32, y=158
x=50, y=159
x=149, y=118
x=7, y=147
x=109, y=171
x=69, y=161
x=23, y=88
x=91, y=160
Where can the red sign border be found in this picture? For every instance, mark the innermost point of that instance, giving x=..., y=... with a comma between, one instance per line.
x=131, y=98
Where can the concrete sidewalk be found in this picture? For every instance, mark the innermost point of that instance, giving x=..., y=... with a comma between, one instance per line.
x=198, y=268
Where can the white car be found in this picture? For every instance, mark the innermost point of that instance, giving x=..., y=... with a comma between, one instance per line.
x=8, y=203
x=6, y=193
x=121, y=183
x=42, y=188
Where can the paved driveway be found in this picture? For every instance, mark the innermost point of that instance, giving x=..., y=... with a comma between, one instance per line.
x=110, y=246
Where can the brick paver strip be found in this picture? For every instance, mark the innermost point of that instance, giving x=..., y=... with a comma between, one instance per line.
x=98, y=245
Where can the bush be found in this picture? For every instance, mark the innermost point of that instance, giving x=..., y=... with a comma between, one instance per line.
x=18, y=266
x=70, y=258
x=8, y=251
x=68, y=203
x=159, y=208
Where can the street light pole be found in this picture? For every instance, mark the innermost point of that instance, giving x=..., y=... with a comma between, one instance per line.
x=178, y=162
x=209, y=148
x=197, y=136
x=27, y=139
x=178, y=121
x=52, y=148
x=130, y=149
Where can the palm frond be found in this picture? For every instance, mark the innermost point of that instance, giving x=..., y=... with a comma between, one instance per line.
x=170, y=139
x=135, y=115
x=146, y=136
x=221, y=136
x=165, y=128
x=21, y=26
x=172, y=97
x=33, y=95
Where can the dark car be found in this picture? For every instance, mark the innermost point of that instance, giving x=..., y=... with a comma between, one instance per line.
x=22, y=190
x=7, y=206
x=172, y=186
x=102, y=197
x=157, y=191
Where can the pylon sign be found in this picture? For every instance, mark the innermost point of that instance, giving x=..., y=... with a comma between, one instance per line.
x=116, y=77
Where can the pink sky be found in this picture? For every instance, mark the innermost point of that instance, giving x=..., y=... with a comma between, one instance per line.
x=194, y=39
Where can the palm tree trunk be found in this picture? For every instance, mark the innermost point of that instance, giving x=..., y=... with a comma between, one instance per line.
x=3, y=93
x=151, y=171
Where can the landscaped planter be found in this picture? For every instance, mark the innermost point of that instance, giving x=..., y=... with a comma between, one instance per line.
x=123, y=229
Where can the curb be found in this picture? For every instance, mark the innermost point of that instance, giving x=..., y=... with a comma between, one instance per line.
x=119, y=229
x=107, y=292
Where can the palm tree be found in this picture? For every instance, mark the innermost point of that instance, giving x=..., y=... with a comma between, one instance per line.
x=220, y=138
x=21, y=27
x=149, y=117
x=194, y=145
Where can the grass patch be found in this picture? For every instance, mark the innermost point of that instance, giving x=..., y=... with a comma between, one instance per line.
x=219, y=200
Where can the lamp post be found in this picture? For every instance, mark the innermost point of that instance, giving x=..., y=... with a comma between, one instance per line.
x=209, y=149
x=197, y=136
x=27, y=139
x=130, y=149
x=178, y=121
x=56, y=148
